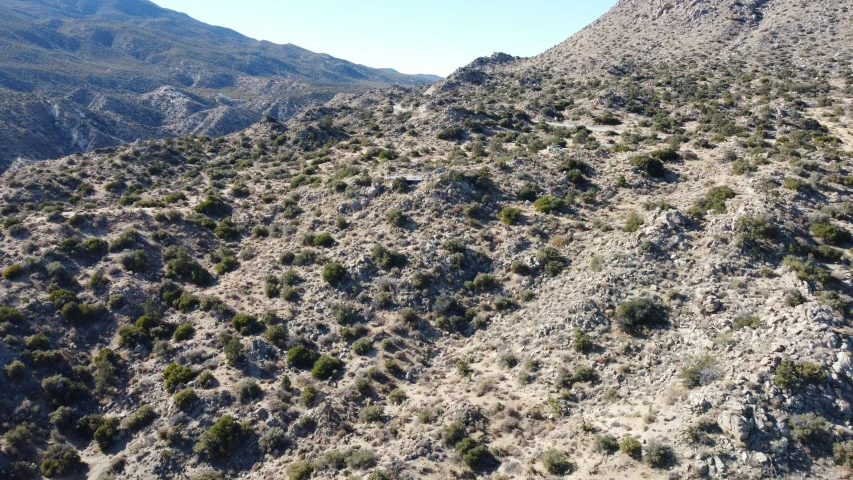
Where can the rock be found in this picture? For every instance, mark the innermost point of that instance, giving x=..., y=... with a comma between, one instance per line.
x=735, y=425
x=701, y=467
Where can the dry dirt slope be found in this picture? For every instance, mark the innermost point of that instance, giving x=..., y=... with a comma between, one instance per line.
x=665, y=294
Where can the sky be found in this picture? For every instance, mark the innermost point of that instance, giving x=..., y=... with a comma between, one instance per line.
x=411, y=36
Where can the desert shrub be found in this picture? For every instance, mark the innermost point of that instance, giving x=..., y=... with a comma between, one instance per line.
x=19, y=436
x=227, y=264
x=301, y=356
x=529, y=192
x=650, y=166
x=633, y=223
x=451, y=133
x=260, y=231
x=325, y=367
x=176, y=375
x=794, y=298
x=842, y=453
x=606, y=444
x=582, y=342
x=387, y=259
x=179, y=264
x=745, y=321
x=557, y=463
x=302, y=470
x=656, y=454
x=713, y=201
x=247, y=390
x=277, y=335
x=631, y=446
x=397, y=396
x=323, y=239
x=635, y=315
x=809, y=427
x=15, y=370
x=453, y=433
x=333, y=273
x=103, y=429
x=221, y=439
x=116, y=301
x=396, y=217
x=309, y=395
x=273, y=439
x=140, y=418
x=205, y=379
x=791, y=376
x=485, y=281
x=362, y=346
x=10, y=315
x=185, y=399
x=548, y=204
x=699, y=371
x=272, y=286
x=59, y=460
x=510, y=215
x=13, y=271
x=372, y=414
x=136, y=261
x=346, y=314
x=39, y=341
x=808, y=270
x=212, y=206
x=246, y=324
x=829, y=233
x=183, y=332
x=123, y=242
x=234, y=351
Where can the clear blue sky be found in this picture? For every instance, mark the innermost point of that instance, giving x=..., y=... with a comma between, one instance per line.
x=412, y=36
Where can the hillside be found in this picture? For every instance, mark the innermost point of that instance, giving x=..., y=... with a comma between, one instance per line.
x=523, y=271
x=75, y=76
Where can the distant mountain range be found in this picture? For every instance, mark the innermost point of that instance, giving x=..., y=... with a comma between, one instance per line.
x=82, y=74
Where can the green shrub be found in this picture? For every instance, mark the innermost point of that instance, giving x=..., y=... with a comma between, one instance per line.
x=485, y=281
x=59, y=460
x=453, y=433
x=39, y=341
x=633, y=223
x=175, y=375
x=19, y=436
x=633, y=316
x=451, y=133
x=714, y=201
x=116, y=301
x=631, y=446
x=212, y=206
x=325, y=367
x=186, y=303
x=396, y=217
x=143, y=416
x=309, y=395
x=557, y=463
x=372, y=414
x=301, y=356
x=829, y=233
x=807, y=271
x=15, y=370
x=334, y=273
x=699, y=371
x=10, y=315
x=657, y=455
x=842, y=453
x=362, y=346
x=205, y=379
x=272, y=440
x=136, y=261
x=13, y=271
x=548, y=204
x=323, y=240
x=650, y=166
x=185, y=399
x=106, y=433
x=745, y=321
x=791, y=376
x=582, y=342
x=221, y=439
x=247, y=390
x=276, y=334
x=234, y=351
x=606, y=444
x=387, y=259
x=809, y=428
x=246, y=324
x=227, y=264
x=510, y=215
x=302, y=470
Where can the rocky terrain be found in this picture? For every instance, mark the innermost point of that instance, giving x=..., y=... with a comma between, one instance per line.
x=81, y=75
x=524, y=271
